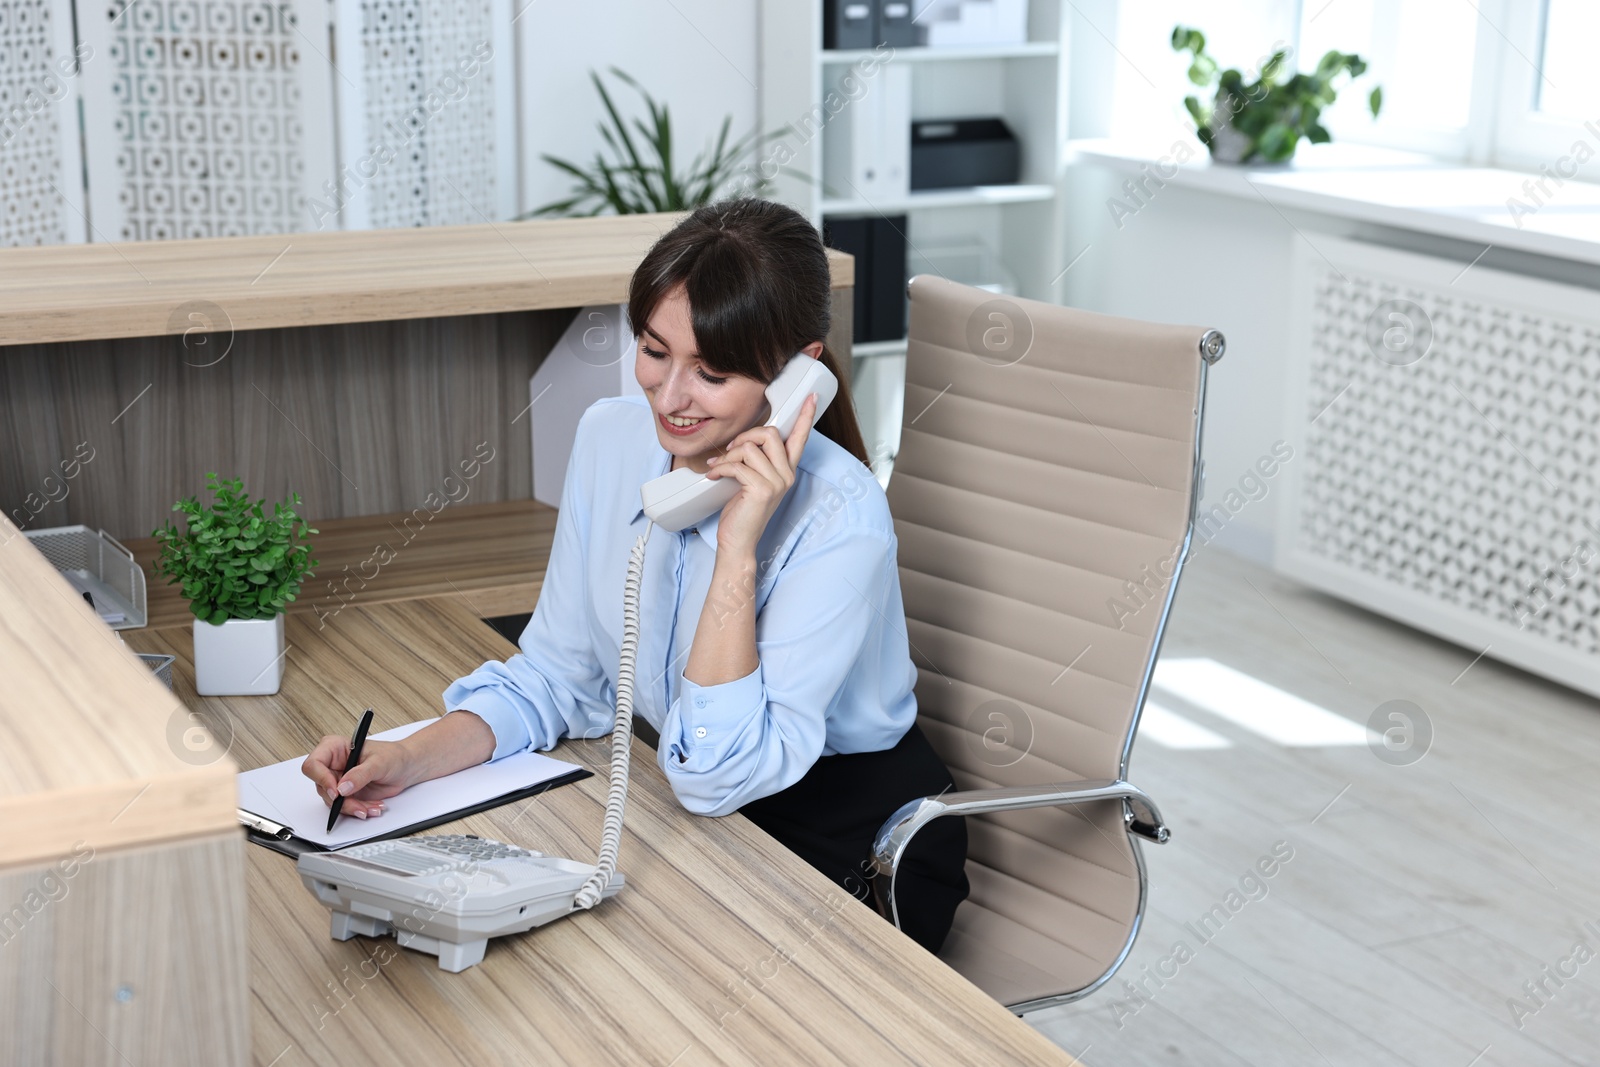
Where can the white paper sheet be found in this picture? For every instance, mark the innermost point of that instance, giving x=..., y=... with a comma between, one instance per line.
x=280, y=792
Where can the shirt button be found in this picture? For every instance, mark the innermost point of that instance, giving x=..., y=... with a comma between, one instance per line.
x=699, y=731
x=699, y=702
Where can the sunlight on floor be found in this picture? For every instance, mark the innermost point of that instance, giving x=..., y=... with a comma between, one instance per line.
x=1252, y=704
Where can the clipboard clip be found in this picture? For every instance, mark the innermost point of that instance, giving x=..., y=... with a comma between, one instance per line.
x=264, y=826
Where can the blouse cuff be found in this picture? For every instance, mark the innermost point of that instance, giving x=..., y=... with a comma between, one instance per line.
x=510, y=729
x=712, y=716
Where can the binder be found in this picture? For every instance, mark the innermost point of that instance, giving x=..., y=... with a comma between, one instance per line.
x=879, y=245
x=852, y=236
x=890, y=151
x=895, y=24
x=848, y=24
x=888, y=269
x=279, y=806
x=867, y=146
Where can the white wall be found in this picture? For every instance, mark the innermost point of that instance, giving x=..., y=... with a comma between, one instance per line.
x=696, y=56
x=1214, y=262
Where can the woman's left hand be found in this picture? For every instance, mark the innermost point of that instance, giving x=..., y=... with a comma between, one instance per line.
x=764, y=464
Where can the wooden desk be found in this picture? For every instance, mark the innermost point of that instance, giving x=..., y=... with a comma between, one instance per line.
x=724, y=948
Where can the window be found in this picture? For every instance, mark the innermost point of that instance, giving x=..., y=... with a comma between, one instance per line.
x=1420, y=51
x=1150, y=80
x=1570, y=88
x=1549, y=86
x=1507, y=83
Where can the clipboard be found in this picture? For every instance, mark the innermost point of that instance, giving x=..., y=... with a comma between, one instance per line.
x=288, y=797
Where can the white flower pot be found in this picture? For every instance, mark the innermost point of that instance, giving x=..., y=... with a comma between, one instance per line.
x=1228, y=145
x=240, y=657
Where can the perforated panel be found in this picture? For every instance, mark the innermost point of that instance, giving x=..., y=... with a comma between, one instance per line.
x=38, y=125
x=426, y=132
x=1452, y=483
x=205, y=119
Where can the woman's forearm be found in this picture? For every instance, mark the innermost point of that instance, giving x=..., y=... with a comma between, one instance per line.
x=724, y=647
x=456, y=741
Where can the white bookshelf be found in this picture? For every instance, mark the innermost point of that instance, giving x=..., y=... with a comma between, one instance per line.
x=925, y=55
x=922, y=199
x=1021, y=225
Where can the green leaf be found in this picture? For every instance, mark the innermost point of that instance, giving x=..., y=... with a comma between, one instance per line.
x=1375, y=100
x=1274, y=67
x=1184, y=38
x=1277, y=142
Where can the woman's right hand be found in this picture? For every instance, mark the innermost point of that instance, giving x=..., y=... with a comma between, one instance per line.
x=384, y=770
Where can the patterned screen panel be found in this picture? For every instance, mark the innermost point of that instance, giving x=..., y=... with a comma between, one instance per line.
x=205, y=119
x=40, y=191
x=426, y=135
x=1450, y=465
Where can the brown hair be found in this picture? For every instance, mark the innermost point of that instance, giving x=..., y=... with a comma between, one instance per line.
x=759, y=291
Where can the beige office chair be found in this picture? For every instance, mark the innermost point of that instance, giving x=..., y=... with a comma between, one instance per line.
x=1044, y=491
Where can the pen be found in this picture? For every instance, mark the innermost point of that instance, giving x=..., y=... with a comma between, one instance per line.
x=356, y=741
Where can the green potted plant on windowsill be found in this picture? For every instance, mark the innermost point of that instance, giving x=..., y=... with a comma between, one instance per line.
x=239, y=569
x=1264, y=120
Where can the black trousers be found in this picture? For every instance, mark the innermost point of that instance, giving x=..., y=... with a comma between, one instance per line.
x=830, y=816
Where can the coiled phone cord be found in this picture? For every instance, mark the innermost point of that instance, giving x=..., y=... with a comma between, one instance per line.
x=622, y=735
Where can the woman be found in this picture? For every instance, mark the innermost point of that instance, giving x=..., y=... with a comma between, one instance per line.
x=772, y=658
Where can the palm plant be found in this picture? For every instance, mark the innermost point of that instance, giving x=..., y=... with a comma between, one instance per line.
x=631, y=183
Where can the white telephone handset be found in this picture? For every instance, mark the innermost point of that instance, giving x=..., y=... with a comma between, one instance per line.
x=683, y=497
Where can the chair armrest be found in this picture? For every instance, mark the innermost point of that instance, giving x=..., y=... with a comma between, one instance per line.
x=1139, y=812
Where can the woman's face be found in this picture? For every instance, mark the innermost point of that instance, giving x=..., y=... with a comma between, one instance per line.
x=697, y=412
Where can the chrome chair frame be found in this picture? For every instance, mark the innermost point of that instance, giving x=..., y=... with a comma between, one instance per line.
x=1140, y=814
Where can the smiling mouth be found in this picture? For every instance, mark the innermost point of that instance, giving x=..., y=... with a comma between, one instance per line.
x=674, y=420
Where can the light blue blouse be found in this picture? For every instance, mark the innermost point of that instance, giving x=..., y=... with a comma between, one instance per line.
x=835, y=672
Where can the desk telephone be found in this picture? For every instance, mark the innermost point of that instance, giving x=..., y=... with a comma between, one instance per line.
x=447, y=894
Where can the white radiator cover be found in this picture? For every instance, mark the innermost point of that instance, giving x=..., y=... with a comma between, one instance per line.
x=1456, y=493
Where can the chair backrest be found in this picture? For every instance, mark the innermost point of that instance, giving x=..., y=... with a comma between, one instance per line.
x=1043, y=497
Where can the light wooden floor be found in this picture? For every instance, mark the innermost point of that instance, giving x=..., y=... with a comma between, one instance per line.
x=1419, y=898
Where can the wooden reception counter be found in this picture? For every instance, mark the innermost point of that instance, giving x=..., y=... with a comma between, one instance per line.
x=358, y=369
x=122, y=889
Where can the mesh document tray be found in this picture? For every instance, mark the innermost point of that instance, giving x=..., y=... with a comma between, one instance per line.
x=95, y=562
x=160, y=665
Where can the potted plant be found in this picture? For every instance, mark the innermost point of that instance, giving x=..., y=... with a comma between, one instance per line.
x=641, y=180
x=238, y=568
x=1263, y=119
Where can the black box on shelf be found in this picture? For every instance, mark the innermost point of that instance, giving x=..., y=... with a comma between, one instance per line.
x=895, y=27
x=849, y=23
x=956, y=152
x=878, y=244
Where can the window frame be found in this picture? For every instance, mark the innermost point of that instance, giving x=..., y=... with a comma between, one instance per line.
x=1525, y=138
x=1449, y=145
